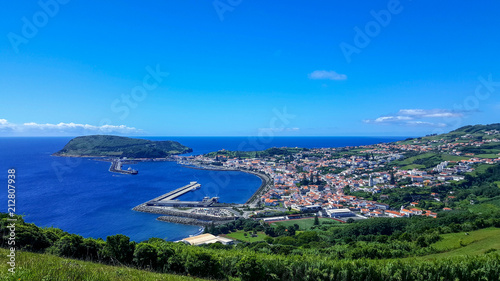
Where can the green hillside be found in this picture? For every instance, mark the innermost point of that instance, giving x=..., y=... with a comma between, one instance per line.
x=32, y=266
x=270, y=152
x=115, y=146
x=463, y=134
x=472, y=129
x=467, y=243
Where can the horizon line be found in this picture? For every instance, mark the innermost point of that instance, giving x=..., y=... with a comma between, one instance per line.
x=135, y=136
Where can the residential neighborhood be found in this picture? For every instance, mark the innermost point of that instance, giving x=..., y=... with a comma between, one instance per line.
x=323, y=181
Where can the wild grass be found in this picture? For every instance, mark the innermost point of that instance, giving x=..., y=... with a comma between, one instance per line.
x=32, y=266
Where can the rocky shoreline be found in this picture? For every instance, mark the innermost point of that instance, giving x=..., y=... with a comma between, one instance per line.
x=190, y=221
x=182, y=217
x=211, y=168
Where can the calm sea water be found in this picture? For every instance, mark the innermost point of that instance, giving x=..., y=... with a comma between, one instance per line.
x=80, y=195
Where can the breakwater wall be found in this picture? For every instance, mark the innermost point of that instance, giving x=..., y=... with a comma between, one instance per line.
x=183, y=217
x=170, y=212
x=211, y=168
x=190, y=221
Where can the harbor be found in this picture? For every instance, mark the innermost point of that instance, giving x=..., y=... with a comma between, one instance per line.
x=185, y=212
x=266, y=185
x=177, y=192
x=168, y=199
x=116, y=167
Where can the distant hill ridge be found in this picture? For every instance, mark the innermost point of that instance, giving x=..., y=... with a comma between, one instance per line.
x=477, y=128
x=477, y=131
x=115, y=146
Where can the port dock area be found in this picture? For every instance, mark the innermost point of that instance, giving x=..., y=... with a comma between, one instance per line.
x=168, y=199
x=116, y=167
x=176, y=193
x=176, y=211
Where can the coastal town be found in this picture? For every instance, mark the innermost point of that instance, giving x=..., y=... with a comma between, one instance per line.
x=336, y=182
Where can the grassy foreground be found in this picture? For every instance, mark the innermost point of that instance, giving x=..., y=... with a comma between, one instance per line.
x=463, y=259
x=31, y=266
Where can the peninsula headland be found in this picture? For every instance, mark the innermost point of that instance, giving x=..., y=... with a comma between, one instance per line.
x=116, y=146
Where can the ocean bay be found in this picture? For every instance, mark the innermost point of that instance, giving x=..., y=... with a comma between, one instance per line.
x=81, y=196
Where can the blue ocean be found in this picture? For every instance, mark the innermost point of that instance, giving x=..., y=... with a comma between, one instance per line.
x=81, y=196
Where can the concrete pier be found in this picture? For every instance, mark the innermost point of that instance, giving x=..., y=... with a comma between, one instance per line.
x=168, y=199
x=169, y=207
x=178, y=192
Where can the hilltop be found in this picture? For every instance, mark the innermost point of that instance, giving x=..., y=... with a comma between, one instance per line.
x=115, y=146
x=479, y=132
x=273, y=151
x=466, y=139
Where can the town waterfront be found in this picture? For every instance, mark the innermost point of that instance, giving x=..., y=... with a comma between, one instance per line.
x=81, y=196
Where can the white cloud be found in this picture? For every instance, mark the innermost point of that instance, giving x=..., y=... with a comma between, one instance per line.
x=71, y=126
x=391, y=119
x=328, y=75
x=426, y=124
x=417, y=117
x=5, y=126
x=430, y=113
x=273, y=130
x=388, y=119
x=32, y=128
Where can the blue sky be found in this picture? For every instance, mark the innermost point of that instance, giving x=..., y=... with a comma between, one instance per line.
x=241, y=68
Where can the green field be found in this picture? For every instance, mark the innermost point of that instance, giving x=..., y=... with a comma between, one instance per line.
x=491, y=155
x=448, y=157
x=427, y=160
x=357, y=149
x=412, y=166
x=304, y=224
x=480, y=168
x=31, y=266
x=485, y=208
x=240, y=235
x=458, y=244
x=410, y=160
